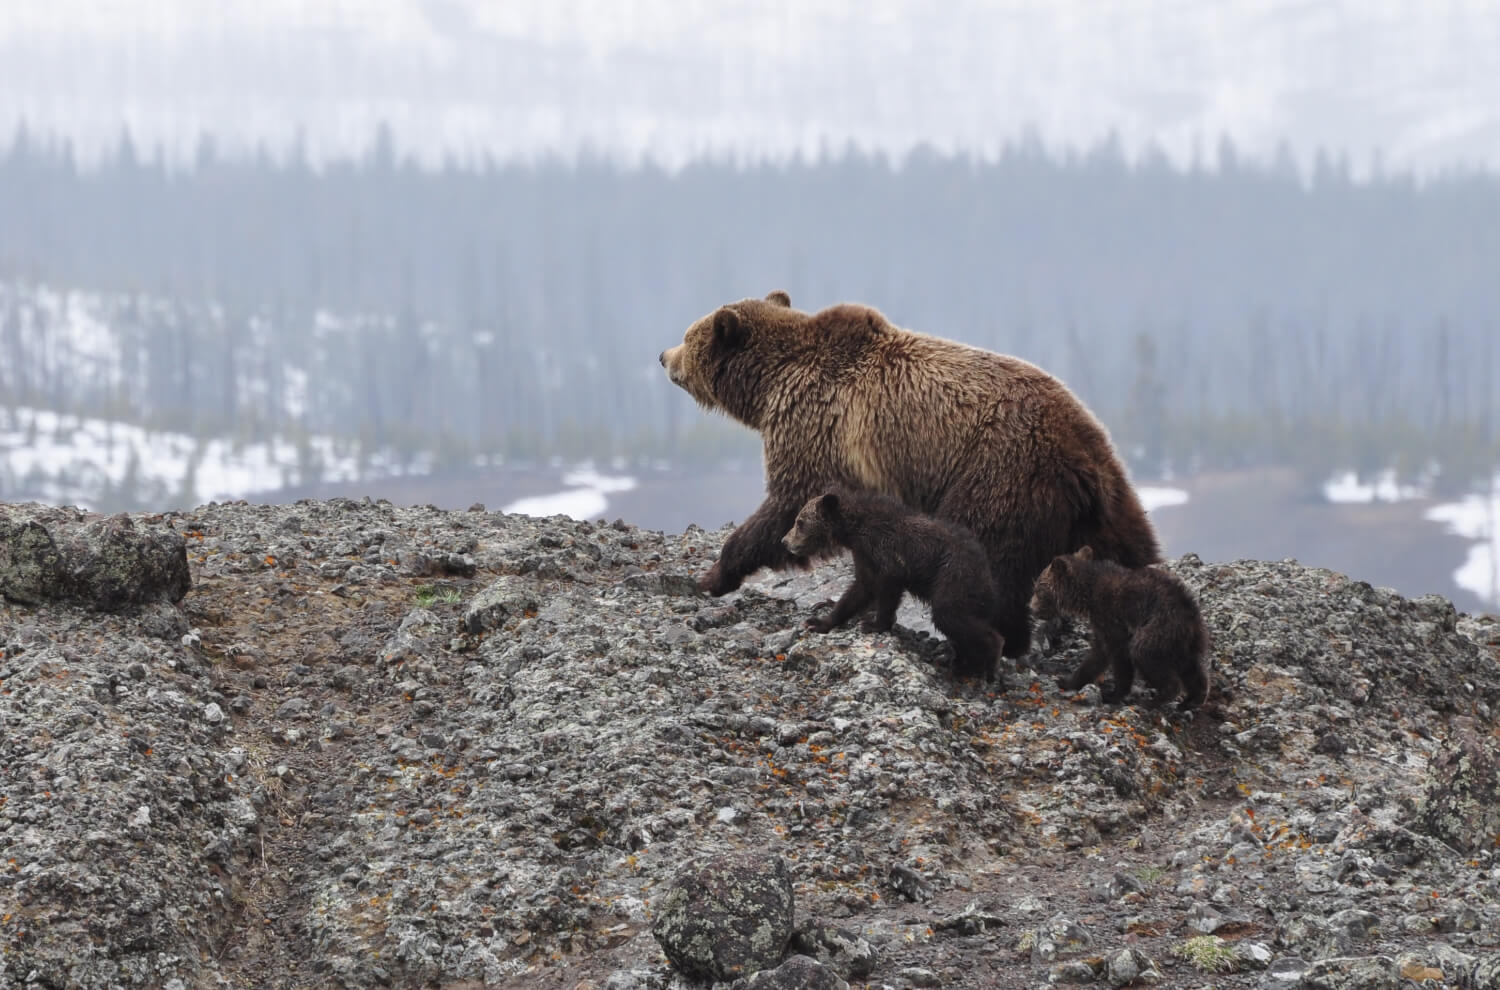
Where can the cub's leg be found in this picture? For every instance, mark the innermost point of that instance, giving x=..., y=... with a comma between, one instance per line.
x=887, y=600
x=855, y=599
x=1088, y=672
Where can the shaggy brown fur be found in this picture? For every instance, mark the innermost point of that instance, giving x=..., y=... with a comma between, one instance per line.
x=1143, y=620
x=988, y=441
x=896, y=550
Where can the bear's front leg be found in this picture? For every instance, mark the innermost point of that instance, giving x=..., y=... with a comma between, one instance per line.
x=755, y=544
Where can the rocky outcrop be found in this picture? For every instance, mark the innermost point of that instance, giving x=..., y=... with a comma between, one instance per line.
x=102, y=563
x=333, y=764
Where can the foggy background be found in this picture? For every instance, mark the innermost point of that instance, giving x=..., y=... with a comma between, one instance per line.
x=429, y=250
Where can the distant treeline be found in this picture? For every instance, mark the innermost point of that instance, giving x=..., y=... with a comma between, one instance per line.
x=1229, y=315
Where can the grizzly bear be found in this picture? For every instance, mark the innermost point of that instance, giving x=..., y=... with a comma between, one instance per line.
x=897, y=549
x=984, y=440
x=1143, y=620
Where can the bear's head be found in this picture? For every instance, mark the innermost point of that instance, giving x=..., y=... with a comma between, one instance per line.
x=722, y=360
x=1056, y=586
x=812, y=534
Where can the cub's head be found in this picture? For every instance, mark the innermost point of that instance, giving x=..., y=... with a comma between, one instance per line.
x=1054, y=588
x=812, y=534
x=721, y=359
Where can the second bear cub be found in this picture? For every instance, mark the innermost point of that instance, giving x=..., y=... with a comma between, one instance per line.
x=1143, y=620
x=897, y=549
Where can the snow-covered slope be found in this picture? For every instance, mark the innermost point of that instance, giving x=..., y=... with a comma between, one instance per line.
x=1414, y=83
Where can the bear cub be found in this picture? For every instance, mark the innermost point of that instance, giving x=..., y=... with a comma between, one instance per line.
x=897, y=549
x=1144, y=620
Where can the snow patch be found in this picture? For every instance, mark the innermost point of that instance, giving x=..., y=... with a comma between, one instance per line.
x=75, y=460
x=585, y=498
x=1156, y=497
x=1347, y=488
x=1474, y=518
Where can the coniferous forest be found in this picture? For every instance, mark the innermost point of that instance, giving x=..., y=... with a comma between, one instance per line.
x=1233, y=314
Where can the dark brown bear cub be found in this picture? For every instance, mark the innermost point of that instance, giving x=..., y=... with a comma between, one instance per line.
x=896, y=550
x=1143, y=620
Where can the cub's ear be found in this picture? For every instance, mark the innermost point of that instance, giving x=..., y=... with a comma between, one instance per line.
x=780, y=298
x=1085, y=552
x=729, y=330
x=828, y=505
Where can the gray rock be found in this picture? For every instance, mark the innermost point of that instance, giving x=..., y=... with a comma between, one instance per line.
x=1129, y=967
x=1352, y=973
x=1354, y=924
x=671, y=584
x=842, y=951
x=1255, y=955
x=1059, y=936
x=1283, y=973
x=972, y=920
x=797, y=973
x=1203, y=918
x=507, y=599
x=1074, y=971
x=726, y=916
x=1436, y=963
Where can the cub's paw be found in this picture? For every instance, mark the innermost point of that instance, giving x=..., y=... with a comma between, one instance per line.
x=821, y=624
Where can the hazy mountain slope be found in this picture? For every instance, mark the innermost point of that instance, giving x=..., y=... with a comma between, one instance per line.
x=1414, y=81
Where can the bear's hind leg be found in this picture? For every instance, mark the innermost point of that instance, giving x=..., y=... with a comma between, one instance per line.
x=1119, y=659
x=1012, y=617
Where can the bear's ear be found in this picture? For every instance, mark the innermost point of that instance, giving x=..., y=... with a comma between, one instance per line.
x=780, y=298
x=828, y=505
x=1085, y=552
x=729, y=330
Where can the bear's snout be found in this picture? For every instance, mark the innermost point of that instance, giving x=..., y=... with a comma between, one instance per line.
x=662, y=358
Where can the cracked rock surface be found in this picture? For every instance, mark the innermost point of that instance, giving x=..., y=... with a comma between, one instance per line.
x=379, y=746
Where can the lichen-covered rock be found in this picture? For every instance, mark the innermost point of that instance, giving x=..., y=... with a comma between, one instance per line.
x=1462, y=806
x=101, y=563
x=726, y=916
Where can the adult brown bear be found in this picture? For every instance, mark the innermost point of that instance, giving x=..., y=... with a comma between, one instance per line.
x=843, y=397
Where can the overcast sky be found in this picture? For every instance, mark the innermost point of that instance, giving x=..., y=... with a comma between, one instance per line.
x=1411, y=83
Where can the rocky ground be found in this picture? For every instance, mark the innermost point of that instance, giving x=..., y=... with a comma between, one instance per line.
x=377, y=746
